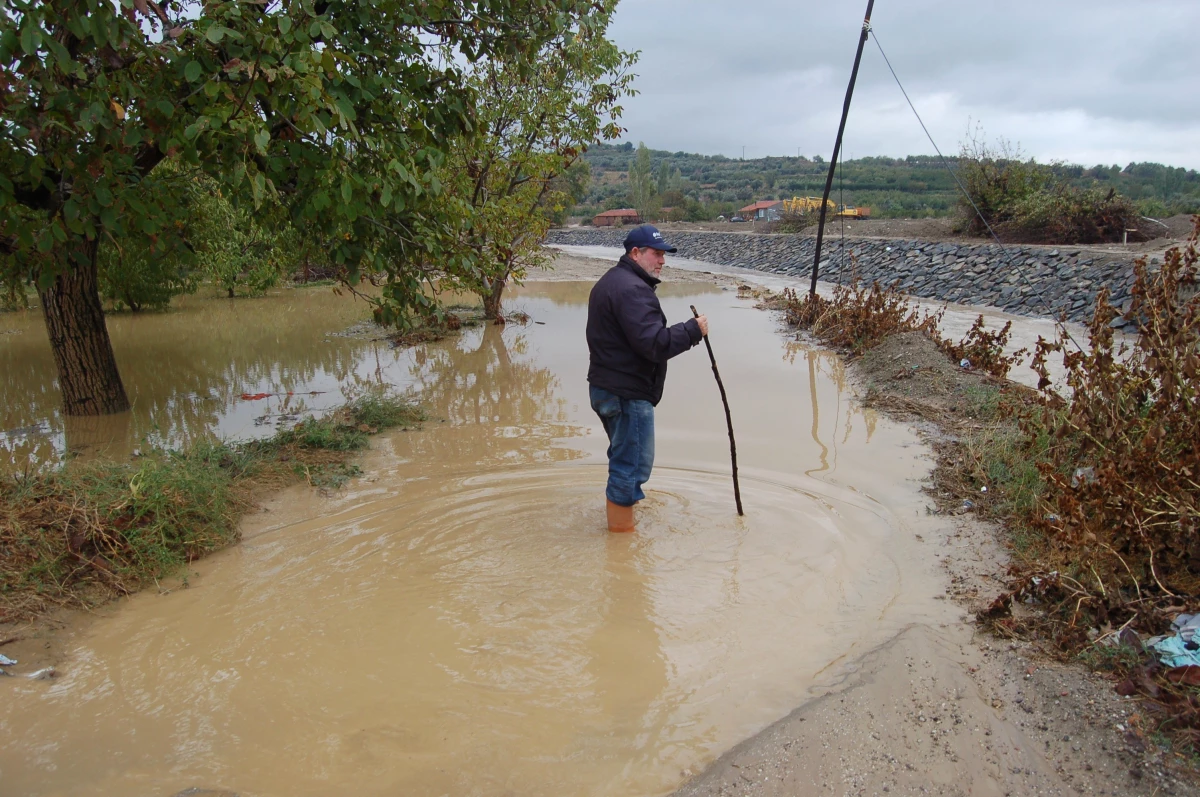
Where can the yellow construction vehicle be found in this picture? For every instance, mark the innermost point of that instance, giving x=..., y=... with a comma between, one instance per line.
x=802, y=205
x=851, y=212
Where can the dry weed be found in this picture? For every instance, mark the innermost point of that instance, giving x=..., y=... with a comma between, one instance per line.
x=1121, y=510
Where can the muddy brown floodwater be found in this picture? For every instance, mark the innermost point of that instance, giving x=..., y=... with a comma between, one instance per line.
x=459, y=622
x=185, y=371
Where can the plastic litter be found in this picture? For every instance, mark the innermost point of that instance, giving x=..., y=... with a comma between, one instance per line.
x=1181, y=648
x=964, y=363
x=5, y=661
x=1083, y=476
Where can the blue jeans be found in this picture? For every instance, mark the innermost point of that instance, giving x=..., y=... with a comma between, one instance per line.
x=629, y=424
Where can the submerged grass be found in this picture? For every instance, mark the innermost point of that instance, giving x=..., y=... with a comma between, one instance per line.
x=85, y=532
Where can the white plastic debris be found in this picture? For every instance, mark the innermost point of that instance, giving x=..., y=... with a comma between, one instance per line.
x=5, y=661
x=1083, y=476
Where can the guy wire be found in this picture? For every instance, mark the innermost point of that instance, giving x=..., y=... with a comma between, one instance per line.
x=965, y=193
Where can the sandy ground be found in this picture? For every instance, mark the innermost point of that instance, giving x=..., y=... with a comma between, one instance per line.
x=946, y=710
x=573, y=267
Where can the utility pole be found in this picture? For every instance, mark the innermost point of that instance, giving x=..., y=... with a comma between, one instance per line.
x=837, y=146
x=743, y=152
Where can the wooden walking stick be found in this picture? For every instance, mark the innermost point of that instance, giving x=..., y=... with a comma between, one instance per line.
x=737, y=493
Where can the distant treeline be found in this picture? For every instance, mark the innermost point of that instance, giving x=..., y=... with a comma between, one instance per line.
x=912, y=187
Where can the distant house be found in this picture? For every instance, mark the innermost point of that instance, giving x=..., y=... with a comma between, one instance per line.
x=763, y=210
x=611, y=218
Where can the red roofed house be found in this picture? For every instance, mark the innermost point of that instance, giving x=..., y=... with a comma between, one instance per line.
x=763, y=210
x=611, y=218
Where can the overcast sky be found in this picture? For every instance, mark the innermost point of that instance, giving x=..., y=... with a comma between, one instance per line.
x=1085, y=81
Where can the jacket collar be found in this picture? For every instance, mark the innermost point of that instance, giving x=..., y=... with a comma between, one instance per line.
x=627, y=262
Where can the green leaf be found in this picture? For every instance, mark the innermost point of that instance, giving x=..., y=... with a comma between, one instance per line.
x=347, y=191
x=261, y=139
x=385, y=196
x=285, y=24
x=215, y=33
x=346, y=108
x=27, y=42
x=258, y=187
x=193, y=71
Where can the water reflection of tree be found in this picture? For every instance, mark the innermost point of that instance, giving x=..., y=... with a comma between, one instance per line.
x=828, y=367
x=503, y=406
x=186, y=369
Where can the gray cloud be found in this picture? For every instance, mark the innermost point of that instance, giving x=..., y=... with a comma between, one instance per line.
x=1086, y=81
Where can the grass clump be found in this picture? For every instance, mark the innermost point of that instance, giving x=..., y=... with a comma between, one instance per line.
x=86, y=532
x=857, y=317
x=103, y=528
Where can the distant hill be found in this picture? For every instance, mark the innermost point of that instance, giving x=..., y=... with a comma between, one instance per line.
x=914, y=187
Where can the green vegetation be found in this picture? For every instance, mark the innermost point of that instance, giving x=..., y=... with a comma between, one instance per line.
x=913, y=187
x=523, y=169
x=87, y=531
x=1022, y=200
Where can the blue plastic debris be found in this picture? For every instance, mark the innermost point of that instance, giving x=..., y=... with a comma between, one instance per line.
x=1180, y=649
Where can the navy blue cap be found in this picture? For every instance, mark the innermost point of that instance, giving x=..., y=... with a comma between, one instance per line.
x=647, y=236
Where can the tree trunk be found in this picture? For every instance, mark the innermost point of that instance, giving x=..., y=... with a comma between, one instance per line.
x=491, y=299
x=83, y=354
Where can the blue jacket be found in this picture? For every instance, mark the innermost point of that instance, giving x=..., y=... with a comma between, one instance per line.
x=628, y=339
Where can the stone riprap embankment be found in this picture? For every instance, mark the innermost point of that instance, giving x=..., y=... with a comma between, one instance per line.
x=1031, y=280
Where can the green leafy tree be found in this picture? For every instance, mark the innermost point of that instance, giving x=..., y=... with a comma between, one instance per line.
x=242, y=248
x=339, y=107
x=642, y=189
x=524, y=168
x=676, y=181
x=138, y=271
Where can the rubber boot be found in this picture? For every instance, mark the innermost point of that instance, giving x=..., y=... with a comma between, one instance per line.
x=620, y=518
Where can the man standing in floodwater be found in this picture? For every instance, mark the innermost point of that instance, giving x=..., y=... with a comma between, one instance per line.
x=629, y=344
